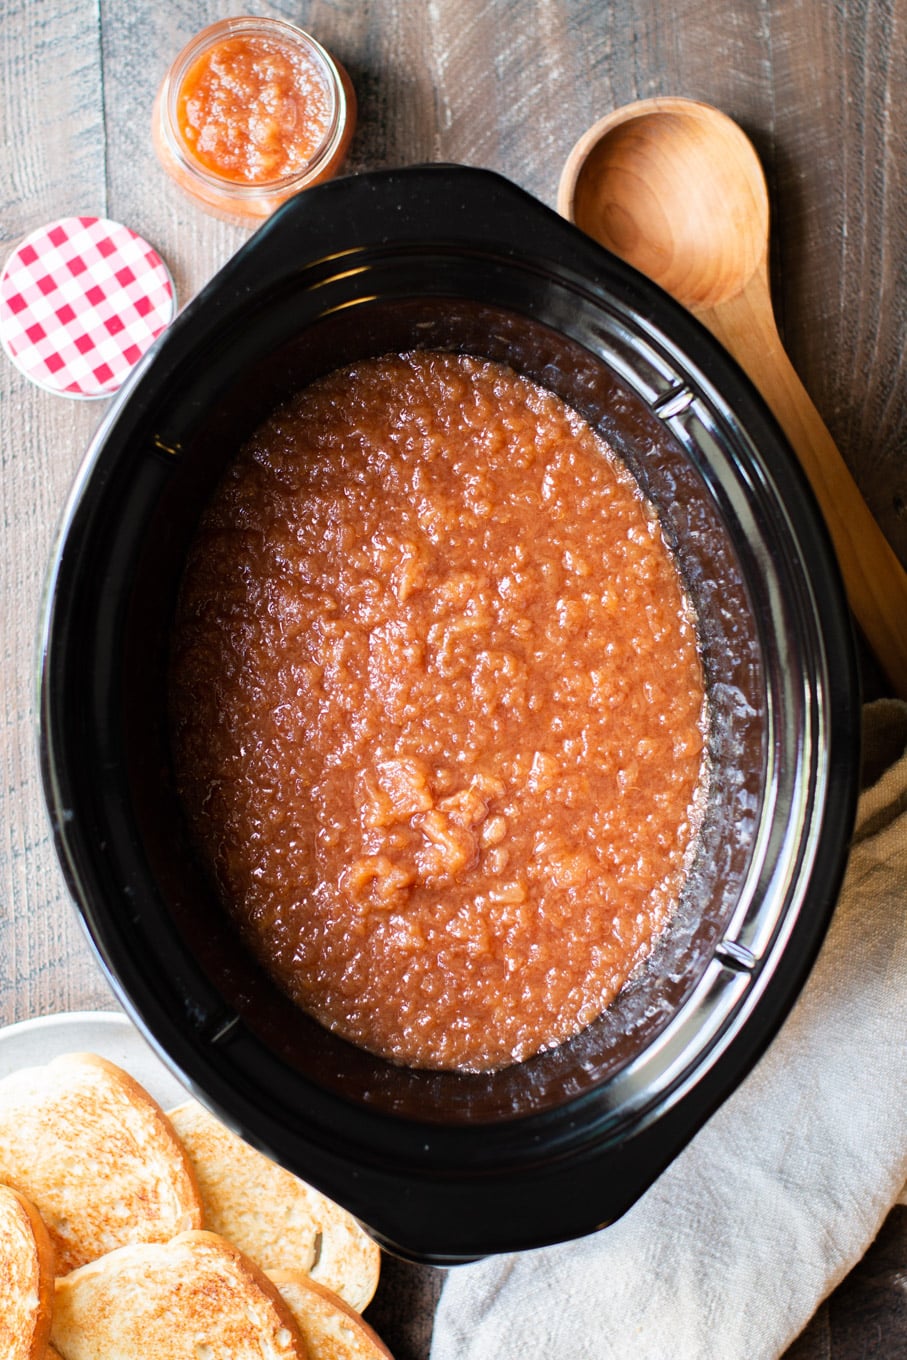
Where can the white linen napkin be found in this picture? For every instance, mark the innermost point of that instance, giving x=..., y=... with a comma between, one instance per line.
x=730, y=1253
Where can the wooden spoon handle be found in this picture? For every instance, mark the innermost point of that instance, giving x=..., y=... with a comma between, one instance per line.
x=875, y=580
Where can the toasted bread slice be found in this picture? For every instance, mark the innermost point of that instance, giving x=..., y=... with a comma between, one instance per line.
x=271, y=1215
x=96, y=1156
x=195, y=1295
x=330, y=1328
x=26, y=1279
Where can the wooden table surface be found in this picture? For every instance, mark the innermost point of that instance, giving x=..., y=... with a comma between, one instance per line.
x=510, y=85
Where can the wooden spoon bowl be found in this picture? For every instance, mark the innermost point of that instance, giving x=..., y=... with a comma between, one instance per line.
x=625, y=178
x=675, y=188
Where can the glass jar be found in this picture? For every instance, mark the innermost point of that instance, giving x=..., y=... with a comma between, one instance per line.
x=250, y=112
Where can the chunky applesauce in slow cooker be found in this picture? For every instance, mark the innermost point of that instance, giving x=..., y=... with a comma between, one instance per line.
x=438, y=711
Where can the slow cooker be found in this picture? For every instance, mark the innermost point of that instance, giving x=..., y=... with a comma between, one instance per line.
x=448, y=1166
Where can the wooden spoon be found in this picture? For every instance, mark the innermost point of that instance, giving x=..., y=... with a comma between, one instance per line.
x=675, y=188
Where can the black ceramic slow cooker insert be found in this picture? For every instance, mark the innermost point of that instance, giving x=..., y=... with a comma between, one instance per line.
x=446, y=1166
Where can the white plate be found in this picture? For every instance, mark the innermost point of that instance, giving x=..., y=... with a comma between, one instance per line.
x=110, y=1034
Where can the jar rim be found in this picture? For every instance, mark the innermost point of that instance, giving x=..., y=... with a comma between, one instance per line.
x=203, y=41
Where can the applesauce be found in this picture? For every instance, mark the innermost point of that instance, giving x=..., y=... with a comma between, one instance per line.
x=251, y=111
x=437, y=710
x=254, y=109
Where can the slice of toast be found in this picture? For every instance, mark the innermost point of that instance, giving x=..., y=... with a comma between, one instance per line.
x=273, y=1216
x=194, y=1296
x=26, y=1279
x=97, y=1157
x=330, y=1328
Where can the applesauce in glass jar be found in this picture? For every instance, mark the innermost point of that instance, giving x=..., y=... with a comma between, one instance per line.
x=252, y=111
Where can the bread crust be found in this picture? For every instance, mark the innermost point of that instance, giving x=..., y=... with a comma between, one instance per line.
x=273, y=1216
x=26, y=1279
x=96, y=1155
x=331, y=1329
x=195, y=1295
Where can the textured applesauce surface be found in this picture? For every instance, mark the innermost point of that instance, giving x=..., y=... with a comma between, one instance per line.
x=437, y=710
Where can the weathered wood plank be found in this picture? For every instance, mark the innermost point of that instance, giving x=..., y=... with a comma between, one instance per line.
x=841, y=223
x=53, y=130
x=138, y=44
x=54, y=164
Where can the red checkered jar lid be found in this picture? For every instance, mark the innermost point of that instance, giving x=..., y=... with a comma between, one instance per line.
x=81, y=300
